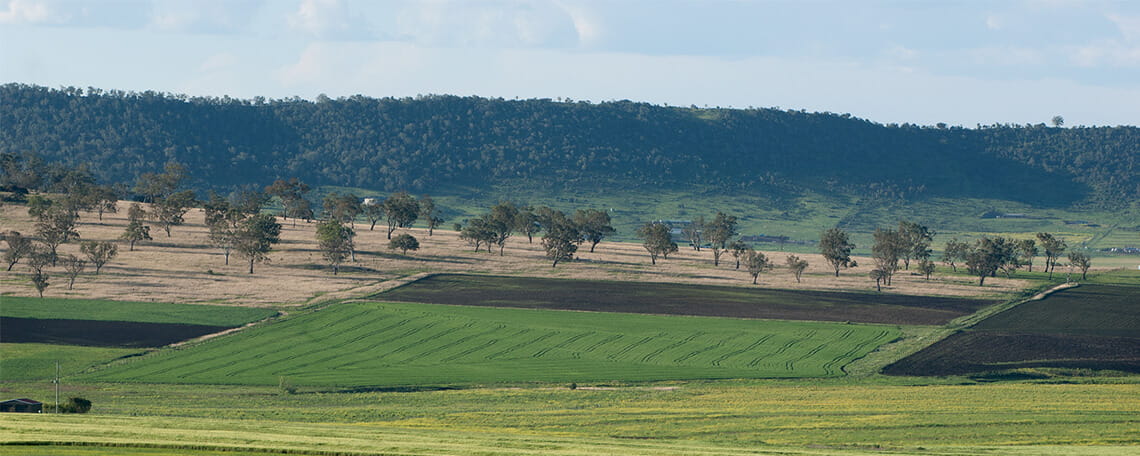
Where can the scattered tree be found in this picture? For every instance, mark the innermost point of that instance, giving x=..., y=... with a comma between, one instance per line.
x=40, y=281
x=756, y=262
x=915, y=242
x=1053, y=248
x=692, y=232
x=926, y=267
x=954, y=253
x=136, y=230
x=38, y=259
x=99, y=253
x=154, y=187
x=836, y=249
x=594, y=225
x=73, y=266
x=1058, y=121
x=987, y=256
x=739, y=249
x=373, y=211
x=886, y=251
x=19, y=247
x=404, y=242
x=796, y=265
x=292, y=195
x=1026, y=250
x=428, y=214
x=1080, y=260
x=256, y=236
x=169, y=211
x=527, y=223
x=658, y=240
x=718, y=232
x=56, y=227
x=336, y=243
x=502, y=221
x=879, y=277
x=478, y=232
x=561, y=238
x=342, y=208
x=402, y=210
x=105, y=200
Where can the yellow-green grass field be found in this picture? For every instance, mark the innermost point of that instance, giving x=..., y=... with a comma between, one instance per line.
x=823, y=417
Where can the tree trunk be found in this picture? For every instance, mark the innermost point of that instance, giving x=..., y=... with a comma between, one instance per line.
x=754, y=278
x=981, y=280
x=251, y=265
x=592, y=247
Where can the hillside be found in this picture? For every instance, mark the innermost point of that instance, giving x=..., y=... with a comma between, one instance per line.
x=430, y=143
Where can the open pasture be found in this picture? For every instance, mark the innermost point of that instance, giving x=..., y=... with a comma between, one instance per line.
x=367, y=344
x=1091, y=327
x=683, y=299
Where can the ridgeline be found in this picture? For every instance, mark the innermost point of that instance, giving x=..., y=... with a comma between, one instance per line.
x=430, y=142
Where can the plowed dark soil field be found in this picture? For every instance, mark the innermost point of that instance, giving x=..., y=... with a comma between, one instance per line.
x=92, y=333
x=682, y=299
x=1089, y=327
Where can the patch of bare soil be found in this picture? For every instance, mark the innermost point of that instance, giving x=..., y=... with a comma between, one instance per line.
x=185, y=268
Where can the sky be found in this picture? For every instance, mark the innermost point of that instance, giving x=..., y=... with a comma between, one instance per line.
x=962, y=62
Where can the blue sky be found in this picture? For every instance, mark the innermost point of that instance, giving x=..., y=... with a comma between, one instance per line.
x=959, y=62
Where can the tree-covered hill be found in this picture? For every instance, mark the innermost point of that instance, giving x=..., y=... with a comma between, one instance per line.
x=423, y=143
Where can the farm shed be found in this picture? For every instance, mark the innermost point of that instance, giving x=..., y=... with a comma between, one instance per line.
x=22, y=406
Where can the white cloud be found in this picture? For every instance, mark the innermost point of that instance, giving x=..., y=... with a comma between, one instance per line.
x=1129, y=26
x=502, y=23
x=994, y=22
x=32, y=12
x=329, y=19
x=203, y=16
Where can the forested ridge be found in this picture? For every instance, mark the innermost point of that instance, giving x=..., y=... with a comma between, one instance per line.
x=422, y=143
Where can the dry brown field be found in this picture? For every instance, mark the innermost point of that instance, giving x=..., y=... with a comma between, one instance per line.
x=185, y=268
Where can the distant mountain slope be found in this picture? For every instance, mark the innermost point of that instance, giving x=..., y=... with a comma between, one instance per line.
x=422, y=143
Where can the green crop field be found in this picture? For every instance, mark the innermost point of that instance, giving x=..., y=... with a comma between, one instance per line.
x=22, y=362
x=381, y=344
x=143, y=312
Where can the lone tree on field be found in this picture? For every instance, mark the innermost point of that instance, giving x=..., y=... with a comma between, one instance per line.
x=402, y=210
x=756, y=263
x=594, y=225
x=99, y=253
x=879, y=276
x=1081, y=261
x=836, y=249
x=657, y=240
x=19, y=247
x=404, y=242
x=136, y=230
x=336, y=243
x=718, y=232
x=797, y=266
x=255, y=238
x=561, y=238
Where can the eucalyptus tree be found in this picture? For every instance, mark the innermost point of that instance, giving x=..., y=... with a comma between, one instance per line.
x=836, y=249
x=561, y=237
x=401, y=210
x=594, y=225
x=657, y=240
x=718, y=232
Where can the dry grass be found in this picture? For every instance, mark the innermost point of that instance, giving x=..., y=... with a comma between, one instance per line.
x=185, y=268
